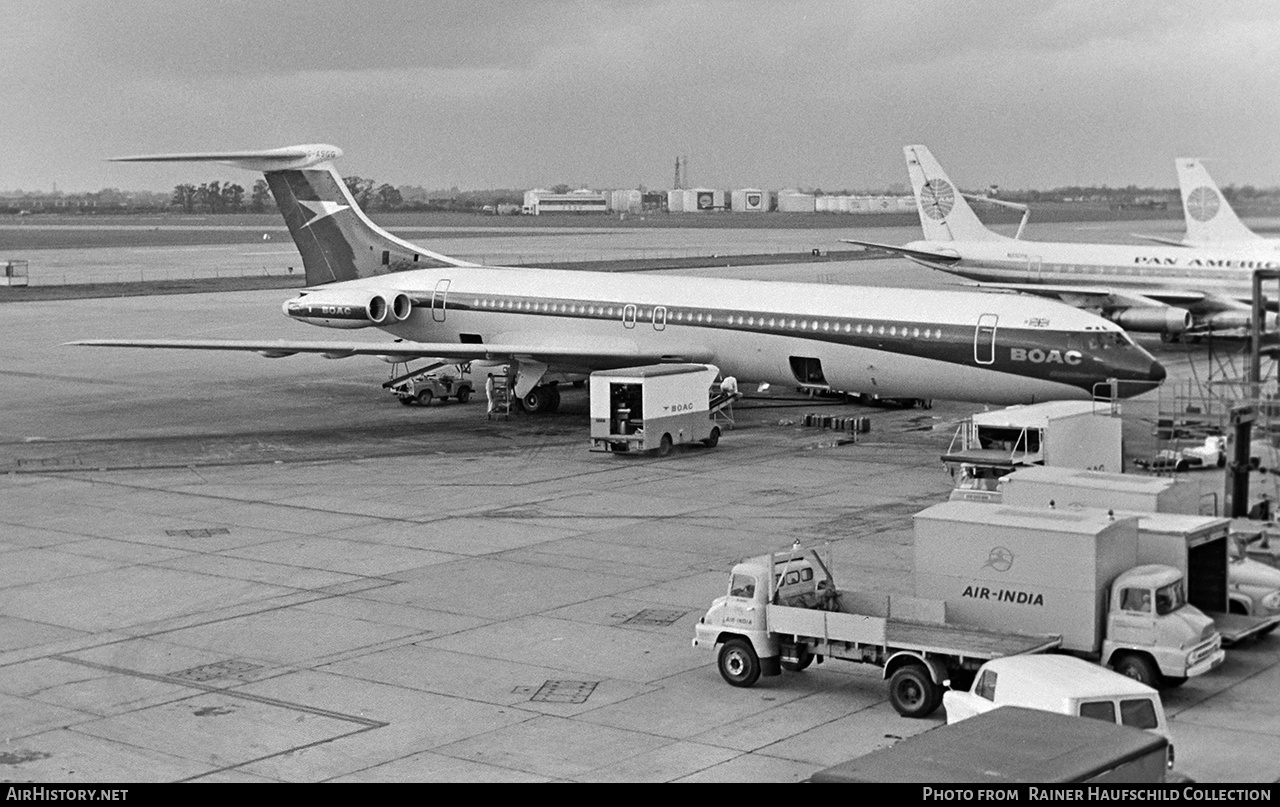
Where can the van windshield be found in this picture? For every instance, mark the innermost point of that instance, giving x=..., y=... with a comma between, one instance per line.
x=1170, y=598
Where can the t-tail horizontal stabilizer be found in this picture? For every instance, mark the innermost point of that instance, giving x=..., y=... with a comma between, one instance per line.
x=281, y=159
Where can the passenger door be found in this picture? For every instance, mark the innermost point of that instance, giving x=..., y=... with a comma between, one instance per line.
x=984, y=339
x=438, y=299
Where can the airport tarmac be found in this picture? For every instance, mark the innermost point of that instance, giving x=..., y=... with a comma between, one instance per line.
x=227, y=568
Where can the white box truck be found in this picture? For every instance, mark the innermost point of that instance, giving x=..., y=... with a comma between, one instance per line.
x=1064, y=434
x=655, y=407
x=1072, y=487
x=783, y=611
x=1075, y=573
x=1241, y=594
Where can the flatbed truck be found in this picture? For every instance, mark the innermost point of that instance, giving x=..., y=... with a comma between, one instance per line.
x=784, y=611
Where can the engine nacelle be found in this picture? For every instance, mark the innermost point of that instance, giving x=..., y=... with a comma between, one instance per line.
x=350, y=308
x=1161, y=319
x=1238, y=318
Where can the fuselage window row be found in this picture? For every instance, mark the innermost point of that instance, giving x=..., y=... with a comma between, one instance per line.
x=698, y=317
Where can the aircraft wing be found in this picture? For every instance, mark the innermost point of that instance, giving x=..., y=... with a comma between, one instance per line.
x=1119, y=297
x=946, y=258
x=584, y=356
x=1159, y=239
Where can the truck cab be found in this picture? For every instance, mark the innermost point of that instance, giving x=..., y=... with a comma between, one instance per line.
x=1253, y=586
x=743, y=613
x=1153, y=634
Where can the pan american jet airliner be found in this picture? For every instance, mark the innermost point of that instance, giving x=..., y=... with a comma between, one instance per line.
x=891, y=342
x=1153, y=289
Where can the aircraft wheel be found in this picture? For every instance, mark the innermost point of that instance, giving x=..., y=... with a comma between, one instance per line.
x=538, y=401
x=555, y=399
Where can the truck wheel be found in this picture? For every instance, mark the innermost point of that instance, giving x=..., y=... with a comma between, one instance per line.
x=1139, y=668
x=912, y=693
x=664, y=447
x=464, y=394
x=405, y=401
x=805, y=659
x=424, y=397
x=1182, y=466
x=1173, y=681
x=713, y=438
x=739, y=664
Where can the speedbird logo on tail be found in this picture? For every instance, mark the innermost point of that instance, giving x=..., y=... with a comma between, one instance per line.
x=321, y=210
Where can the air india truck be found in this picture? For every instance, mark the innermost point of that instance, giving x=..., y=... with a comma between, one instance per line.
x=1075, y=573
x=783, y=611
x=1062, y=434
x=655, y=407
x=1241, y=594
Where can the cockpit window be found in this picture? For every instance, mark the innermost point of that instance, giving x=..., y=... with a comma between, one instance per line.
x=1170, y=598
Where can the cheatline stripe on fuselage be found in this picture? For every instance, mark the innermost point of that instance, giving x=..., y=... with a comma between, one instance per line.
x=1046, y=352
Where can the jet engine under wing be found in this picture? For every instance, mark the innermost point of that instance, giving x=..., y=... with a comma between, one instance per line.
x=943, y=257
x=1116, y=297
x=569, y=357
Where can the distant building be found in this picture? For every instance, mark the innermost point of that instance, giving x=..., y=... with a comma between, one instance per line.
x=626, y=201
x=793, y=201
x=538, y=201
x=695, y=200
x=752, y=200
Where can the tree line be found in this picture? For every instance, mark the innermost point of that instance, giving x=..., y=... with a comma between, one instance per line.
x=228, y=197
x=219, y=197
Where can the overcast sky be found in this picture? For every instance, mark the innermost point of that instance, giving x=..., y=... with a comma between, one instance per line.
x=527, y=93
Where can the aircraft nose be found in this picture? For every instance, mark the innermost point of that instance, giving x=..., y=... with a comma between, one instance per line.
x=1145, y=374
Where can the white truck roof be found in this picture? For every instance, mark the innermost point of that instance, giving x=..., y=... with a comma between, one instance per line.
x=1082, y=520
x=1080, y=478
x=1067, y=676
x=1038, y=414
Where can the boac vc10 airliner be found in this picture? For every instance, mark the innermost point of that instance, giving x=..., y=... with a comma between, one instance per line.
x=891, y=342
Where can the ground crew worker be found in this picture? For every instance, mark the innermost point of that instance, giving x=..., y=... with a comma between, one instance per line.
x=488, y=393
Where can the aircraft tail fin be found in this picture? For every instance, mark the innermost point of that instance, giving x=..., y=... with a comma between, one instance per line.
x=1208, y=214
x=944, y=213
x=335, y=237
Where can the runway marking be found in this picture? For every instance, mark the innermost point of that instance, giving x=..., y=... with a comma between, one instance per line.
x=656, y=617
x=559, y=691
x=231, y=693
x=206, y=532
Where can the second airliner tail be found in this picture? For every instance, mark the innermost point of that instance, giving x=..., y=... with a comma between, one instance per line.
x=1209, y=216
x=944, y=213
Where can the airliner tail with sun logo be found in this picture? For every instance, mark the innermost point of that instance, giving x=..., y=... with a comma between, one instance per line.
x=1173, y=291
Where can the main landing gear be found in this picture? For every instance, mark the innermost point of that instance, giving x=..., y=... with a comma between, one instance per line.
x=542, y=399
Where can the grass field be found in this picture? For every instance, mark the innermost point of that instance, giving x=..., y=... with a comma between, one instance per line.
x=92, y=231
